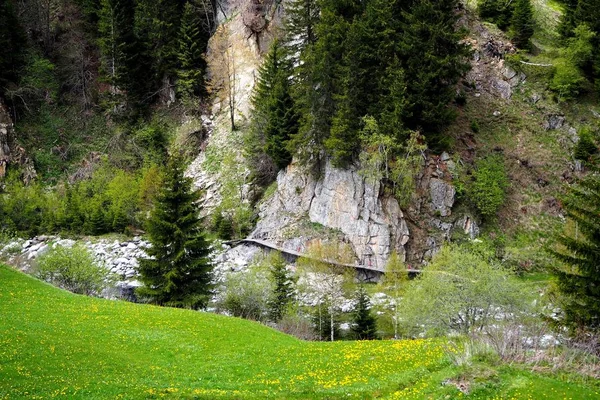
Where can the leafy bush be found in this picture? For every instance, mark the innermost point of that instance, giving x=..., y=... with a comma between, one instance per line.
x=567, y=80
x=73, y=269
x=111, y=200
x=461, y=291
x=488, y=190
x=245, y=294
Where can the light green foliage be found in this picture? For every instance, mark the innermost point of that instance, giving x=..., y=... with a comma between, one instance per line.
x=406, y=167
x=234, y=204
x=580, y=48
x=324, y=281
x=38, y=85
x=568, y=81
x=488, y=190
x=587, y=145
x=393, y=283
x=378, y=149
x=123, y=192
x=73, y=269
x=246, y=294
x=110, y=200
x=461, y=291
x=383, y=157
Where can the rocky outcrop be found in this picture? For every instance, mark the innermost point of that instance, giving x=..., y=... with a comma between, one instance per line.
x=442, y=197
x=340, y=200
x=9, y=152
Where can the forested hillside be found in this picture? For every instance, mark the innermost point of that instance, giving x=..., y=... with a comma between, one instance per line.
x=377, y=134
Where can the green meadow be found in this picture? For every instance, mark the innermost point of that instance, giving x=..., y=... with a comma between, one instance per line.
x=54, y=344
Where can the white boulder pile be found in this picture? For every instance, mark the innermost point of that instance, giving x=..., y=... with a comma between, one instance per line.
x=119, y=257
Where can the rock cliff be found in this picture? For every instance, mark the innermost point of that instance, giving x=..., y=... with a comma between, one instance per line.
x=341, y=200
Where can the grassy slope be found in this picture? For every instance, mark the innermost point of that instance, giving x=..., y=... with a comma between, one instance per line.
x=56, y=344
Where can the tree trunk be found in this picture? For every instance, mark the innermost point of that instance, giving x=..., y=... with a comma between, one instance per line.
x=331, y=323
x=6, y=129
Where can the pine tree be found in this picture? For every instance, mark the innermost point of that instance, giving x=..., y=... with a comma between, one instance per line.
x=283, y=287
x=117, y=47
x=568, y=20
x=317, y=82
x=178, y=274
x=192, y=45
x=274, y=115
x=434, y=59
x=522, y=23
x=580, y=281
x=157, y=28
x=13, y=43
x=364, y=325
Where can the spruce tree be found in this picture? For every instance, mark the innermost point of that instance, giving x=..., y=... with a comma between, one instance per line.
x=434, y=59
x=192, y=44
x=364, y=325
x=283, y=287
x=178, y=272
x=274, y=115
x=13, y=43
x=117, y=48
x=522, y=23
x=301, y=21
x=580, y=251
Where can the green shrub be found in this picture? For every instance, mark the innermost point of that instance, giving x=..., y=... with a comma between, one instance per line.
x=475, y=126
x=498, y=12
x=245, y=294
x=462, y=291
x=488, y=190
x=567, y=80
x=73, y=269
x=586, y=147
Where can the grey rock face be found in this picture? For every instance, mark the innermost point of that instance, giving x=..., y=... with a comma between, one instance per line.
x=341, y=199
x=442, y=197
x=554, y=122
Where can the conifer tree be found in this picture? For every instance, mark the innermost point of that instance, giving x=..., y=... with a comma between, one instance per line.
x=364, y=324
x=283, y=287
x=12, y=45
x=274, y=115
x=434, y=59
x=522, y=23
x=178, y=274
x=318, y=83
x=300, y=25
x=191, y=61
x=117, y=45
x=580, y=282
